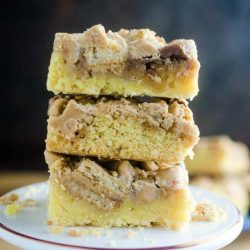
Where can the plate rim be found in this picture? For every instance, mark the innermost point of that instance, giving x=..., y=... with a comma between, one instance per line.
x=196, y=243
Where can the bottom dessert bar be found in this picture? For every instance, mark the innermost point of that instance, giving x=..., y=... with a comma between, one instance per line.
x=87, y=191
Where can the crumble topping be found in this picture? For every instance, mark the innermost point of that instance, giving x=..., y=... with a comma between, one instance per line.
x=172, y=177
x=94, y=180
x=142, y=43
x=97, y=51
x=69, y=116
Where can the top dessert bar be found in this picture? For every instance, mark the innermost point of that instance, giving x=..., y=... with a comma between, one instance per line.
x=133, y=62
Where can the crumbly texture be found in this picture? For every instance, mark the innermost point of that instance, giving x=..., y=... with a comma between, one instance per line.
x=128, y=63
x=206, y=211
x=106, y=184
x=158, y=130
x=84, y=191
x=9, y=199
x=232, y=188
x=14, y=207
x=75, y=233
x=219, y=155
x=55, y=229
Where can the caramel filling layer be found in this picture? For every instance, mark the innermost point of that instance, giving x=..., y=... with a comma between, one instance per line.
x=107, y=183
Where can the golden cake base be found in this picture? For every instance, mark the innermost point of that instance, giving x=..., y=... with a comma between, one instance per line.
x=172, y=212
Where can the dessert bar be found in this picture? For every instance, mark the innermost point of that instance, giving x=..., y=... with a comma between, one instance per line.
x=155, y=130
x=127, y=62
x=100, y=192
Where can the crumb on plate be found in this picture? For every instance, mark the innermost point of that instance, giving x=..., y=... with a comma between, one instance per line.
x=55, y=229
x=9, y=199
x=131, y=234
x=206, y=211
x=75, y=233
x=94, y=232
x=49, y=222
x=29, y=203
x=16, y=207
x=13, y=209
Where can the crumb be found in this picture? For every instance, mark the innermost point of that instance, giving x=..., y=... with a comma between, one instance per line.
x=130, y=234
x=206, y=211
x=9, y=199
x=75, y=233
x=29, y=203
x=49, y=222
x=94, y=232
x=63, y=187
x=112, y=243
x=13, y=209
x=55, y=229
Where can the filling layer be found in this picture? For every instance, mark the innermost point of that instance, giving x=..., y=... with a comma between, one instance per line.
x=107, y=184
x=70, y=115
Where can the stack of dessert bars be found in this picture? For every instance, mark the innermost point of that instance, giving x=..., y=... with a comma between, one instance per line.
x=119, y=128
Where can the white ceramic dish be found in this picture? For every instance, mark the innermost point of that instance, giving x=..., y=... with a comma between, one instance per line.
x=28, y=230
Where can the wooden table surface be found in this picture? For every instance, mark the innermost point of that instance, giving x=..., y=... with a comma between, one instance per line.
x=11, y=180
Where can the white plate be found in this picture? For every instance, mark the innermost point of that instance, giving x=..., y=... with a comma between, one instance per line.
x=29, y=231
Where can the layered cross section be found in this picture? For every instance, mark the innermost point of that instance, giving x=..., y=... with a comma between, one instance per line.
x=119, y=128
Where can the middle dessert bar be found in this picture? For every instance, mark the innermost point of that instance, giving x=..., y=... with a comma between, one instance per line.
x=135, y=129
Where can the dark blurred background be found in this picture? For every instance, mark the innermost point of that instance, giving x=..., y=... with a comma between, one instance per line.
x=221, y=30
